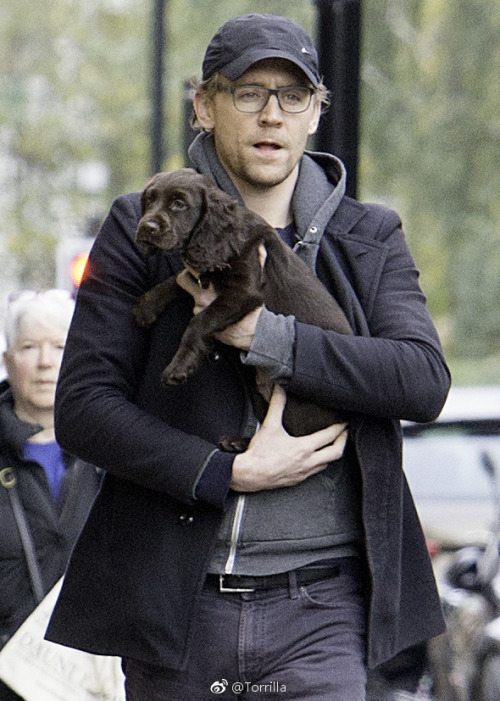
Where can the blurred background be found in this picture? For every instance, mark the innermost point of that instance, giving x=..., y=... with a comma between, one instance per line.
x=81, y=82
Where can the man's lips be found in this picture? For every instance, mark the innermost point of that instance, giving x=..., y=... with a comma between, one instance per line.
x=268, y=145
x=268, y=148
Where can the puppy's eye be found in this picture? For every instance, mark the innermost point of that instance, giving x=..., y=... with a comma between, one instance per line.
x=177, y=205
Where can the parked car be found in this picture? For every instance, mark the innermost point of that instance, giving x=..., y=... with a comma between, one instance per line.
x=444, y=464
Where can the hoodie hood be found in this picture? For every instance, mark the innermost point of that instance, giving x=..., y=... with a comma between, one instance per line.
x=320, y=188
x=318, y=193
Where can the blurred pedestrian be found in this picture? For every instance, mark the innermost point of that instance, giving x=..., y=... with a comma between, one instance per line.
x=45, y=494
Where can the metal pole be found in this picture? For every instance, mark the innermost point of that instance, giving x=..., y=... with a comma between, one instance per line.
x=338, y=40
x=157, y=120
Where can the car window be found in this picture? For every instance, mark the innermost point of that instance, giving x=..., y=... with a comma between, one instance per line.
x=447, y=463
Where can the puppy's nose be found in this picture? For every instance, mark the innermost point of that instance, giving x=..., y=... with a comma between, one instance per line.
x=148, y=230
x=151, y=226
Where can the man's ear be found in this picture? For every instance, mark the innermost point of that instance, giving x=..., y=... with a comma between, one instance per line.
x=202, y=105
x=315, y=117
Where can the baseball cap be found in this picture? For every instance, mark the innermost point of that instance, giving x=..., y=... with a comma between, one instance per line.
x=244, y=40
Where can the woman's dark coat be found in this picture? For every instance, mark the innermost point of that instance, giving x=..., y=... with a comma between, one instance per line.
x=54, y=526
x=139, y=565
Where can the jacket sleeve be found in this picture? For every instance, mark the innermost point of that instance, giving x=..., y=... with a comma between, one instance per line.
x=96, y=416
x=395, y=370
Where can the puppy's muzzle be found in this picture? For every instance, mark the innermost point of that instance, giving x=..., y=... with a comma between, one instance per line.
x=153, y=234
x=148, y=231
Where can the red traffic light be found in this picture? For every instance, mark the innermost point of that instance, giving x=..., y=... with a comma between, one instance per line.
x=77, y=268
x=71, y=261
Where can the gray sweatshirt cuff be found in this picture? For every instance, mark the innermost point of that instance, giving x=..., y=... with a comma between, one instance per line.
x=272, y=346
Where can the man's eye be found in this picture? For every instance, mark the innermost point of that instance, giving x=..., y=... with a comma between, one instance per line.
x=248, y=95
x=294, y=96
x=177, y=205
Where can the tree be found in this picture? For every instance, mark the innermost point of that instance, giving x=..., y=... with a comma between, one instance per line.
x=75, y=129
x=432, y=139
x=70, y=75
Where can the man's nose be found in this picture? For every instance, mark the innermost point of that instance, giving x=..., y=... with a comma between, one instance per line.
x=271, y=112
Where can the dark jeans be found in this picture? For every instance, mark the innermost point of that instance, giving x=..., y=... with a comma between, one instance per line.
x=303, y=643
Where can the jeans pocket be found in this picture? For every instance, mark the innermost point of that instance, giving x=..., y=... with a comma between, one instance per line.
x=334, y=592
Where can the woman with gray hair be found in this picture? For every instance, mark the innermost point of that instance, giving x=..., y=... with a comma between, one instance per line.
x=45, y=494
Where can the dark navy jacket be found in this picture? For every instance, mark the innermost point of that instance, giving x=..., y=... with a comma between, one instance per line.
x=139, y=566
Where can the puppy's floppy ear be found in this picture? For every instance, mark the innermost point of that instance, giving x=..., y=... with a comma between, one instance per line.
x=147, y=184
x=217, y=237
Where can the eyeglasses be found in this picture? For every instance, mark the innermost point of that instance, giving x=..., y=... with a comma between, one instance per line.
x=253, y=98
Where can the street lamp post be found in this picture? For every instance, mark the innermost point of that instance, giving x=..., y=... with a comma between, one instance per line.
x=338, y=40
x=157, y=88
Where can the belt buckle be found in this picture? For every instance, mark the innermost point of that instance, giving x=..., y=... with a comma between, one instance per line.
x=232, y=590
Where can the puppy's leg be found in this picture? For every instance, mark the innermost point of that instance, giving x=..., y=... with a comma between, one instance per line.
x=151, y=304
x=201, y=330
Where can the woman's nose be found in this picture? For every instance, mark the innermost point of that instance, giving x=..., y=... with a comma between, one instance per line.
x=46, y=355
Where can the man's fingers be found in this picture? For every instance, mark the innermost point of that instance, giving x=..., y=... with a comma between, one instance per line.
x=202, y=296
x=329, y=434
x=334, y=435
x=185, y=280
x=262, y=255
x=276, y=407
x=334, y=450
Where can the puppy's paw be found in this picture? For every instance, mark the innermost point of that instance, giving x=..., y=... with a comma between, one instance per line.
x=231, y=444
x=143, y=314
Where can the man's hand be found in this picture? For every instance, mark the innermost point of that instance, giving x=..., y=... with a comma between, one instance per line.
x=239, y=335
x=203, y=296
x=275, y=459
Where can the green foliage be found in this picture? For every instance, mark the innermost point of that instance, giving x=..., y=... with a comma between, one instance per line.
x=431, y=138
x=75, y=122
x=478, y=371
x=72, y=117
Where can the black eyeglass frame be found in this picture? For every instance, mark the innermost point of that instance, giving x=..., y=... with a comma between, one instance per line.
x=270, y=91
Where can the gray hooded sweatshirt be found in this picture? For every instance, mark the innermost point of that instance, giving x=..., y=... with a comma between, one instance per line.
x=278, y=530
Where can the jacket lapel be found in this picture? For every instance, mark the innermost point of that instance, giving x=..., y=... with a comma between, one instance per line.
x=351, y=261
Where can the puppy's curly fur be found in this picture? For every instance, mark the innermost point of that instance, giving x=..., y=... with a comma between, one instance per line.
x=220, y=239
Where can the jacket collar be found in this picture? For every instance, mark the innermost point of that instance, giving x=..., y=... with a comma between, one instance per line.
x=320, y=188
x=13, y=431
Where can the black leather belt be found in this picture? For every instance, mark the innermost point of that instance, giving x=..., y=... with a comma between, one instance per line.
x=239, y=584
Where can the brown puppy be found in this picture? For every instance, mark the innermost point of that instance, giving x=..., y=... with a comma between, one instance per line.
x=219, y=239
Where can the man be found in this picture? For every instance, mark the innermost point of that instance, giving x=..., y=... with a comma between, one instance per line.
x=286, y=570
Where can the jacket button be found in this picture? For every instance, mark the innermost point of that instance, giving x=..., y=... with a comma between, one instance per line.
x=186, y=519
